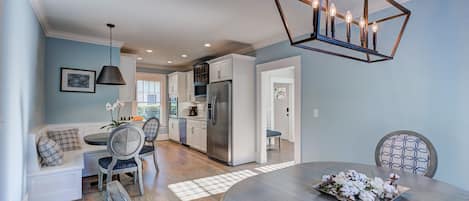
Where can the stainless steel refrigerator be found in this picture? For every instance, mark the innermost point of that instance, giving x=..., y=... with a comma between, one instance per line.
x=219, y=124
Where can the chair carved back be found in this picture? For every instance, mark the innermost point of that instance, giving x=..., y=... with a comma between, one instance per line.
x=151, y=128
x=408, y=151
x=125, y=142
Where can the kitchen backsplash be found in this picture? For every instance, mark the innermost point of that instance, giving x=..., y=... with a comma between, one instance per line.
x=184, y=108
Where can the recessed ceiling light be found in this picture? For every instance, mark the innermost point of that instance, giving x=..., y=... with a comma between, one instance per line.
x=139, y=58
x=149, y=51
x=170, y=62
x=184, y=56
x=208, y=45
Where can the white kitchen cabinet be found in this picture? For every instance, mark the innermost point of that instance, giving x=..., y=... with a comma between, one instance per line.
x=177, y=86
x=190, y=86
x=173, y=131
x=128, y=67
x=197, y=134
x=221, y=70
x=240, y=71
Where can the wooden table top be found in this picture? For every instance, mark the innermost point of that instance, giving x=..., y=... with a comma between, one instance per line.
x=97, y=139
x=295, y=184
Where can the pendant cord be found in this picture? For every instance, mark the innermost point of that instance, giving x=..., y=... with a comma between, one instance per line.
x=110, y=45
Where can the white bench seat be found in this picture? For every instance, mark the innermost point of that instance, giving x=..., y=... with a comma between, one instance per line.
x=58, y=183
x=62, y=182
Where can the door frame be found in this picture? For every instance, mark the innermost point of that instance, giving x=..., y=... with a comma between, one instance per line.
x=261, y=110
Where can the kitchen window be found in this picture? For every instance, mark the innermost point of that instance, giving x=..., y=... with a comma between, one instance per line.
x=150, y=96
x=149, y=99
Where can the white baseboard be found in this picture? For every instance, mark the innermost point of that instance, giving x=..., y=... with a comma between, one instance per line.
x=162, y=137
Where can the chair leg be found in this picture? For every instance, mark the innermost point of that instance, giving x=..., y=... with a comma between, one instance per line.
x=140, y=180
x=100, y=180
x=109, y=177
x=155, y=161
x=135, y=177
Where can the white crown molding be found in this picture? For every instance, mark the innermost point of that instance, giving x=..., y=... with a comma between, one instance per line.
x=82, y=38
x=49, y=32
x=39, y=11
x=147, y=65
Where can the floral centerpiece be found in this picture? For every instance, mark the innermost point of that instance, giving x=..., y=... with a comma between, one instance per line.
x=352, y=185
x=116, y=106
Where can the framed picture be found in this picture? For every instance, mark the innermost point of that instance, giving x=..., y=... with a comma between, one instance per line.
x=77, y=80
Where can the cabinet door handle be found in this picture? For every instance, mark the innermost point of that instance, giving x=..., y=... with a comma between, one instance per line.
x=218, y=74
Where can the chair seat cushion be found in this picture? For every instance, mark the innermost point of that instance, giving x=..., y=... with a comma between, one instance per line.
x=147, y=149
x=271, y=133
x=121, y=164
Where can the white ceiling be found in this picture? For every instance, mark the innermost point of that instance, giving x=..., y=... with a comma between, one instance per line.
x=174, y=27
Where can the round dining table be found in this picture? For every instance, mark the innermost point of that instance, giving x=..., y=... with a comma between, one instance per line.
x=97, y=139
x=295, y=184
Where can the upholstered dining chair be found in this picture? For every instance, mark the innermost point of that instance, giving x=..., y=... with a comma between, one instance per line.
x=124, y=145
x=408, y=151
x=151, y=128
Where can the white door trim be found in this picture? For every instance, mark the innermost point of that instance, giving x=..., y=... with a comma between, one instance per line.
x=261, y=117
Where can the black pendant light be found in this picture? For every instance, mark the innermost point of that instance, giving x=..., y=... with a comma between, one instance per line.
x=110, y=75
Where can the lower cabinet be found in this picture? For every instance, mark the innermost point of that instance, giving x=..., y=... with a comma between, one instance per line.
x=197, y=135
x=173, y=130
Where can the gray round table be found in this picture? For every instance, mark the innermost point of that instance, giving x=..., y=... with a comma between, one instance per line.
x=295, y=184
x=97, y=139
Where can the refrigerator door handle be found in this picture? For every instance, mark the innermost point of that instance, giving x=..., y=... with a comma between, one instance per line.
x=209, y=108
x=214, y=112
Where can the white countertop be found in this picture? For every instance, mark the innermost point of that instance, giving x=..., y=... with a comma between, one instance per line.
x=195, y=118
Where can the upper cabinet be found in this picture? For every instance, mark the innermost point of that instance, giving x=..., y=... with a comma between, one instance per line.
x=190, y=86
x=128, y=67
x=177, y=84
x=221, y=69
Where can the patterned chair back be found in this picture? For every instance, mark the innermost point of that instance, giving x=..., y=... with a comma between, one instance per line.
x=125, y=142
x=151, y=128
x=407, y=151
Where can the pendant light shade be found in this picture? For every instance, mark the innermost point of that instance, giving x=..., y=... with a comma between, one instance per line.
x=110, y=75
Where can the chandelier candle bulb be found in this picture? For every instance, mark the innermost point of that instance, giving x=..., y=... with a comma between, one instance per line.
x=315, y=6
x=348, y=19
x=332, y=13
x=362, y=31
x=374, y=28
x=327, y=17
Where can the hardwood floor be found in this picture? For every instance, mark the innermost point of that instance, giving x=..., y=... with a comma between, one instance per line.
x=286, y=152
x=178, y=163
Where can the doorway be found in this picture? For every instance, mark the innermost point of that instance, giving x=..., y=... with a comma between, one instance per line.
x=278, y=111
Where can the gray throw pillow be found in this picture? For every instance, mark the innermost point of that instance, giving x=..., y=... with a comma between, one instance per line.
x=67, y=139
x=50, y=152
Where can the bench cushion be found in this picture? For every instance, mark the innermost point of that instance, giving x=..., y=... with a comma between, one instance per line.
x=50, y=152
x=121, y=164
x=67, y=139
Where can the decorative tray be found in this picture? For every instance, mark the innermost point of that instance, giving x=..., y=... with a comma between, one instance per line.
x=354, y=186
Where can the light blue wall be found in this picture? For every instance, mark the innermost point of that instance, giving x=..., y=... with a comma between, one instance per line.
x=70, y=107
x=424, y=89
x=21, y=91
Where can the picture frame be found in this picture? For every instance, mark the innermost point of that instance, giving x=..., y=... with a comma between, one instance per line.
x=77, y=80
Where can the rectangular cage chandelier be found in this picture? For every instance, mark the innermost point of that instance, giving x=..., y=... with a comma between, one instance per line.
x=362, y=50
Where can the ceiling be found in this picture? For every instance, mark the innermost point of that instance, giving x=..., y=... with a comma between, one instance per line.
x=174, y=27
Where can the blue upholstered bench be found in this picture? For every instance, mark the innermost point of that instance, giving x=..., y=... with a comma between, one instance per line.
x=274, y=134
